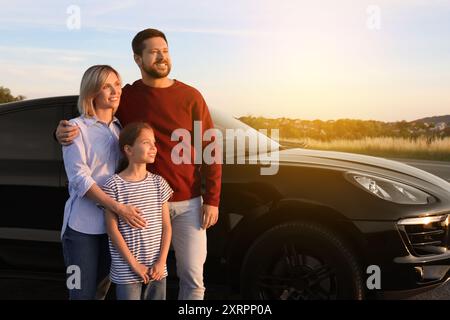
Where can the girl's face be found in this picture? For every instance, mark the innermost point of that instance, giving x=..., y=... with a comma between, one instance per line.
x=144, y=149
x=109, y=95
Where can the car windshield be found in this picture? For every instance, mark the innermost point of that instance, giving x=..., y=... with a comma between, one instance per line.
x=234, y=129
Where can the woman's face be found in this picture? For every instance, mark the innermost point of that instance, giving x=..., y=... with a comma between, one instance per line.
x=109, y=95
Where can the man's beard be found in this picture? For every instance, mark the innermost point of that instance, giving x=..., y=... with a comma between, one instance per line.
x=155, y=73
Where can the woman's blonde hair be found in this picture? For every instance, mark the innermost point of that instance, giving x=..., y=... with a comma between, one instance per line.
x=91, y=84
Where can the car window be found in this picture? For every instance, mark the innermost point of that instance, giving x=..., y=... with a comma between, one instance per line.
x=224, y=121
x=27, y=134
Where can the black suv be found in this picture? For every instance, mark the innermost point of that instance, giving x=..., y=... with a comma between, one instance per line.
x=327, y=225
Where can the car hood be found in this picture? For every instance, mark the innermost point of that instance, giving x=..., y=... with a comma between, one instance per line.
x=344, y=159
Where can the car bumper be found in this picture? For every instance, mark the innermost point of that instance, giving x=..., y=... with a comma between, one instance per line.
x=401, y=270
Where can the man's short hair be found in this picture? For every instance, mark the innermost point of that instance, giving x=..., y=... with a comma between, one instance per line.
x=138, y=40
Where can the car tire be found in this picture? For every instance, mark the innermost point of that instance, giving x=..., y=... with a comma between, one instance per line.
x=301, y=261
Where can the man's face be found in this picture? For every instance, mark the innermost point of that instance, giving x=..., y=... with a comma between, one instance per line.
x=155, y=60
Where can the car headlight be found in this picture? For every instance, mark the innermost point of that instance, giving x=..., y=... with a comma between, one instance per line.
x=442, y=219
x=393, y=191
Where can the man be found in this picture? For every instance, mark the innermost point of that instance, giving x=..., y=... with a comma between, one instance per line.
x=168, y=104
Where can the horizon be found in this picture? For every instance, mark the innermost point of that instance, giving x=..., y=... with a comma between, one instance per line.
x=326, y=120
x=301, y=119
x=384, y=60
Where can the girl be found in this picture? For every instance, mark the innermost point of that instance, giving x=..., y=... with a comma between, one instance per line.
x=89, y=161
x=138, y=266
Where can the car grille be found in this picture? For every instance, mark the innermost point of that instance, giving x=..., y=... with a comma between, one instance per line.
x=428, y=239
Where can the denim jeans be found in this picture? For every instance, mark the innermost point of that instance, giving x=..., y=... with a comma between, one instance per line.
x=90, y=252
x=189, y=244
x=155, y=290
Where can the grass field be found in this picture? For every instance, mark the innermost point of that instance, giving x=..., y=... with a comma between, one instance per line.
x=420, y=148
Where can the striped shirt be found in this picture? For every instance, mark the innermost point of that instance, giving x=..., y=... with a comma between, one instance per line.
x=147, y=195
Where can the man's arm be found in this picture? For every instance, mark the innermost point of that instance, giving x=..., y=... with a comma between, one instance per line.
x=212, y=174
x=65, y=133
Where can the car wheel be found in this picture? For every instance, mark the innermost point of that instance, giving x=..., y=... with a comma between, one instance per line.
x=300, y=261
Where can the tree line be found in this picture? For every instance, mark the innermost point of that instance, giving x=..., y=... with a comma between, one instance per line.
x=6, y=96
x=350, y=129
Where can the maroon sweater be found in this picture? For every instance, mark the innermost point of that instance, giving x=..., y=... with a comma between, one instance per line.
x=167, y=109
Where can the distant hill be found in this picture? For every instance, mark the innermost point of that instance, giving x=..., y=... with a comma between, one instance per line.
x=352, y=129
x=435, y=119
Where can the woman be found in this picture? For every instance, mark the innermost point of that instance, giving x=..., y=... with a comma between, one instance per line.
x=89, y=161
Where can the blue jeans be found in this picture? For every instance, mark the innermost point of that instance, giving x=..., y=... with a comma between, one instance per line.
x=90, y=252
x=155, y=290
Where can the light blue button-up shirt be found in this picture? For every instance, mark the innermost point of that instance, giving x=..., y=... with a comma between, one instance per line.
x=91, y=158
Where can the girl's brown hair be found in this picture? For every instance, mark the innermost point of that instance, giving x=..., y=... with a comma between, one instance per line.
x=128, y=136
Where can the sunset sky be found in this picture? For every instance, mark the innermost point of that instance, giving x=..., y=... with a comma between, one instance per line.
x=299, y=59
